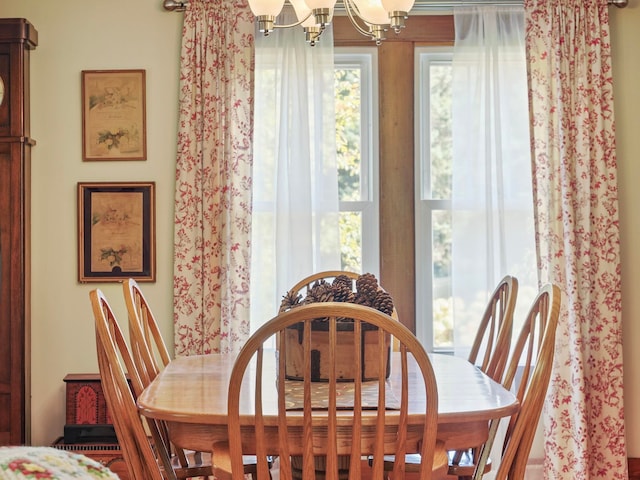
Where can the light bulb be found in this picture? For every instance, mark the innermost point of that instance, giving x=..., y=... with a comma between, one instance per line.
x=372, y=11
x=266, y=7
x=316, y=4
x=398, y=5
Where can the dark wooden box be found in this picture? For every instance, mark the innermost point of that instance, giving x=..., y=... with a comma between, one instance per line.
x=346, y=368
x=85, y=400
x=108, y=454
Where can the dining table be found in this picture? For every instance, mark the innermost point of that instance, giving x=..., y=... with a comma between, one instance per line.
x=190, y=396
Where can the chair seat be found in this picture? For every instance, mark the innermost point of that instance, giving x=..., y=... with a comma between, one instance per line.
x=48, y=462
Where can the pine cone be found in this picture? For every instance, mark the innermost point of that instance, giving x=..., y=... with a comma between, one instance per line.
x=290, y=300
x=367, y=285
x=321, y=291
x=343, y=280
x=383, y=302
x=342, y=292
x=362, y=300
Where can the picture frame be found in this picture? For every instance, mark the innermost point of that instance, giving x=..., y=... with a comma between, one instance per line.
x=116, y=231
x=114, y=115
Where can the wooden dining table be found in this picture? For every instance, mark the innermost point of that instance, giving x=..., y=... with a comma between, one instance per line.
x=190, y=395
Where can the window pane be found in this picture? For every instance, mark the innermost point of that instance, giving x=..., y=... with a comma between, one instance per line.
x=434, y=302
x=441, y=276
x=351, y=241
x=348, y=138
x=356, y=121
x=440, y=129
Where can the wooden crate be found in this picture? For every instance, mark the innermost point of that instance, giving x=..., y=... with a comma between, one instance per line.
x=346, y=371
x=108, y=454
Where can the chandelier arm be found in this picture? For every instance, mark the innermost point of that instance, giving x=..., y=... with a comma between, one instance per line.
x=348, y=8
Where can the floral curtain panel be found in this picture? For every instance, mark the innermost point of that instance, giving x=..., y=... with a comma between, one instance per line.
x=213, y=178
x=577, y=232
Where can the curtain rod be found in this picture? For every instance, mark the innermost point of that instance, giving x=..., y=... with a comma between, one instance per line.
x=420, y=5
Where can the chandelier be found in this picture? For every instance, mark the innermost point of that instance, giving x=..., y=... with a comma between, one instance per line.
x=369, y=17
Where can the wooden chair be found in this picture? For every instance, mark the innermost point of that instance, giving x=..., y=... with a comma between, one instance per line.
x=493, y=338
x=147, y=344
x=531, y=362
x=532, y=358
x=147, y=458
x=312, y=432
x=150, y=355
x=490, y=351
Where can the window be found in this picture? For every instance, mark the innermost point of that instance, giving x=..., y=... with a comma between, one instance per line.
x=375, y=133
x=415, y=160
x=354, y=112
x=356, y=148
x=397, y=146
x=433, y=197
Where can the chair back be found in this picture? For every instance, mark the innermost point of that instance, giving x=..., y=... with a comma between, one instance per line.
x=307, y=282
x=493, y=338
x=529, y=371
x=310, y=430
x=116, y=366
x=147, y=344
x=150, y=355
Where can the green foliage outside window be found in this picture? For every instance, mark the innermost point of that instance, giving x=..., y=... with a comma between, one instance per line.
x=441, y=150
x=348, y=98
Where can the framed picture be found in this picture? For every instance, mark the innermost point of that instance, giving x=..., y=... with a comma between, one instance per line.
x=116, y=231
x=114, y=115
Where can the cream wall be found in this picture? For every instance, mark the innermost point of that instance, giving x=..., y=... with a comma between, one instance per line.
x=76, y=35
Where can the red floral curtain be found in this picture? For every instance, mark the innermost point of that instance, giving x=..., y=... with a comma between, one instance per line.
x=577, y=233
x=213, y=178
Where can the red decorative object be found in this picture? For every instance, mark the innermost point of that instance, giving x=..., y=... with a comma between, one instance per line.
x=85, y=400
x=88, y=427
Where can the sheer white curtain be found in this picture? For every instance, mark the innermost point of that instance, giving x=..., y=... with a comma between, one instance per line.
x=295, y=187
x=492, y=199
x=492, y=218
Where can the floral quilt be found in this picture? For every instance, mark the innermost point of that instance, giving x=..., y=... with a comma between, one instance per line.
x=35, y=463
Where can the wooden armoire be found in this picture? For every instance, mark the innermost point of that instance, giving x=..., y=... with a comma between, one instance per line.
x=17, y=38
